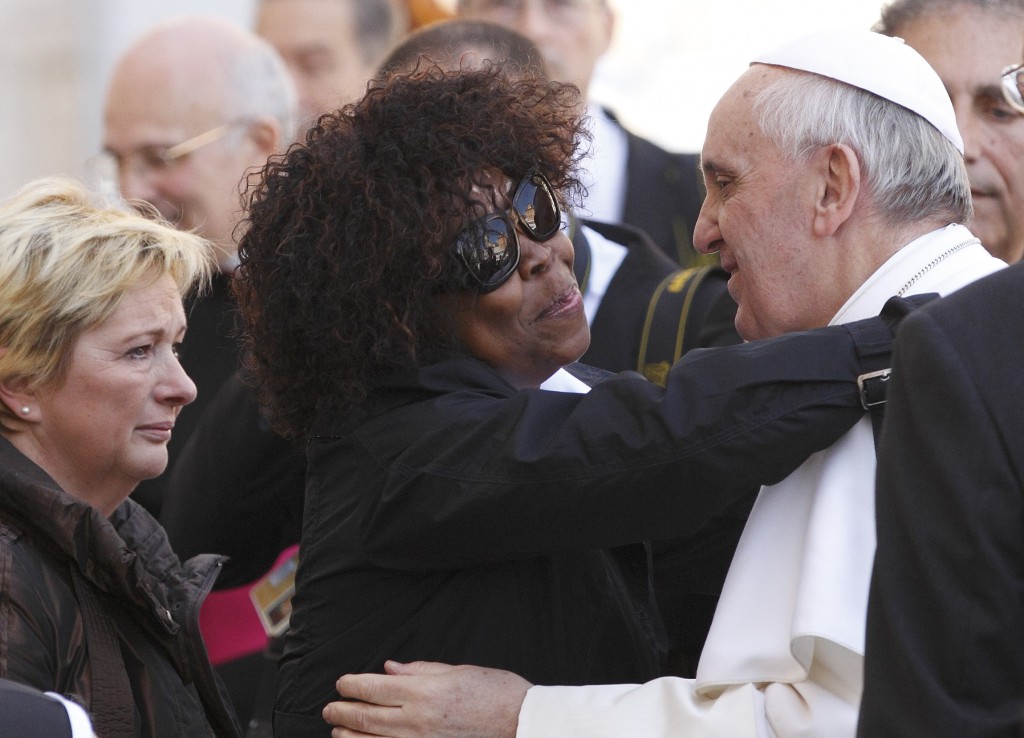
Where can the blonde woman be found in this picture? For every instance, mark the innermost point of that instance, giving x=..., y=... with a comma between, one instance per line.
x=93, y=603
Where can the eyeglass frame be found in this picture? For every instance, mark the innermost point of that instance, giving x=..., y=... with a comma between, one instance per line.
x=157, y=157
x=513, y=221
x=1012, y=79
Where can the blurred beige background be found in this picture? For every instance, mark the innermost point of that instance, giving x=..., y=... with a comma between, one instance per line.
x=670, y=62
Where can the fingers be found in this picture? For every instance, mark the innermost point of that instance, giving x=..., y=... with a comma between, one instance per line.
x=416, y=667
x=379, y=689
x=346, y=733
x=356, y=719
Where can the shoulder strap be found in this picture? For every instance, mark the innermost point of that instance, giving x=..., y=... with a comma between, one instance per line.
x=664, y=332
x=112, y=707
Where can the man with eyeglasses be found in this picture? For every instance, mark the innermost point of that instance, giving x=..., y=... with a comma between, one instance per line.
x=967, y=42
x=192, y=107
x=631, y=180
x=945, y=629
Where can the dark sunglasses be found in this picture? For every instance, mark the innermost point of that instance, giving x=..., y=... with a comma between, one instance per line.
x=488, y=249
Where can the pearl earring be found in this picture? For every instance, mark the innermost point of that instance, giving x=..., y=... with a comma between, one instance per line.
x=26, y=410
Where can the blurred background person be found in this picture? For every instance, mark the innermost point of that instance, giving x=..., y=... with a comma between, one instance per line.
x=968, y=42
x=331, y=47
x=93, y=601
x=192, y=106
x=629, y=179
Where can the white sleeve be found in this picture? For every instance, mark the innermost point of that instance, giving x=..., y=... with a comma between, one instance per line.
x=81, y=726
x=664, y=708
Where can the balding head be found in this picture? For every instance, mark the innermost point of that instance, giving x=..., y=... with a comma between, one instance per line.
x=184, y=78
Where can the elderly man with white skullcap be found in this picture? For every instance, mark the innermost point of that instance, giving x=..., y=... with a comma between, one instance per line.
x=835, y=181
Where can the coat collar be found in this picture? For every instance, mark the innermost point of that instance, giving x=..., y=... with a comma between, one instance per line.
x=127, y=555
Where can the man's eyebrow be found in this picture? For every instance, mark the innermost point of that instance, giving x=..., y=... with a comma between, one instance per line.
x=993, y=90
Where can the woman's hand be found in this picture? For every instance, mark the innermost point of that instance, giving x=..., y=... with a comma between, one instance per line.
x=425, y=699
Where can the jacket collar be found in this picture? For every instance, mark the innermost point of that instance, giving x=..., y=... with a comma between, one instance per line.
x=127, y=556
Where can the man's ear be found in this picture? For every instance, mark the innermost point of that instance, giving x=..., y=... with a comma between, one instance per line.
x=266, y=135
x=839, y=190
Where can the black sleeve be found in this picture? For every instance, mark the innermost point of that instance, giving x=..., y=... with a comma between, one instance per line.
x=945, y=628
x=28, y=713
x=627, y=462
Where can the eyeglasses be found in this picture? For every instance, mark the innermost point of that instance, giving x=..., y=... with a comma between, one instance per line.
x=488, y=249
x=149, y=159
x=1013, y=86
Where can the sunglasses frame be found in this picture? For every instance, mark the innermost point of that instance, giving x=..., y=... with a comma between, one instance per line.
x=513, y=219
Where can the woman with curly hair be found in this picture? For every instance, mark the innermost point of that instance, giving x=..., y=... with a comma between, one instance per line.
x=407, y=287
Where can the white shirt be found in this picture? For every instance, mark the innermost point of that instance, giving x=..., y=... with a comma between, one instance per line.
x=604, y=173
x=81, y=726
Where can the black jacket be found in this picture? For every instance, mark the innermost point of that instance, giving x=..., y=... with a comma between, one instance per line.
x=945, y=630
x=457, y=519
x=664, y=194
x=102, y=610
x=617, y=330
x=209, y=355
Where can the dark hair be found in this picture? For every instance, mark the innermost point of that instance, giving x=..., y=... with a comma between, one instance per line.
x=445, y=42
x=349, y=234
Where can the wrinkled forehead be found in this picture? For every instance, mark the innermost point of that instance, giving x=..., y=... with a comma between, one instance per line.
x=185, y=102
x=735, y=109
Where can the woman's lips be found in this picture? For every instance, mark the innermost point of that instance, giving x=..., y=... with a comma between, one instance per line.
x=157, y=431
x=568, y=302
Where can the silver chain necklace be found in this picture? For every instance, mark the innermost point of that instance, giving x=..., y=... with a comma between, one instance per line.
x=934, y=263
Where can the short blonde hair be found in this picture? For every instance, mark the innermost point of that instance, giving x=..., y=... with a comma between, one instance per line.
x=66, y=261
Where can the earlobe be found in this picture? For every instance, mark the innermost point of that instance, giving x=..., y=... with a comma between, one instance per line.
x=840, y=168
x=17, y=400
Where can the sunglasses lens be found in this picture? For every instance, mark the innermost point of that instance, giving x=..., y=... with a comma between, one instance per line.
x=535, y=204
x=490, y=252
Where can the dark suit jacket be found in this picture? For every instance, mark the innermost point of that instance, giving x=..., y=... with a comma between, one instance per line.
x=945, y=641
x=617, y=327
x=28, y=713
x=664, y=192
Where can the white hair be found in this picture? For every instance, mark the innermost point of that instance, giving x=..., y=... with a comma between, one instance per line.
x=913, y=172
x=257, y=83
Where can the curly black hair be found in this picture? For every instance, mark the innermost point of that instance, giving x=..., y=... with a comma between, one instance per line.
x=348, y=238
